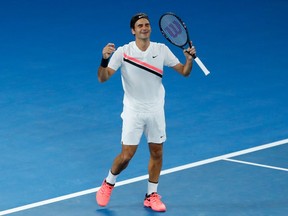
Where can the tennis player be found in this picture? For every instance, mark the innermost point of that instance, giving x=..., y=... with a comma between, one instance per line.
x=141, y=63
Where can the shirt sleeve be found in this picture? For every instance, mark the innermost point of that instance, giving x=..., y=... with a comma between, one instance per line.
x=170, y=59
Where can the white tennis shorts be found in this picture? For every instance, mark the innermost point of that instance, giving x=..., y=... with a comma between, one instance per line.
x=135, y=124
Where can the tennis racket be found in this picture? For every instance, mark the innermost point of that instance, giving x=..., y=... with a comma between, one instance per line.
x=176, y=32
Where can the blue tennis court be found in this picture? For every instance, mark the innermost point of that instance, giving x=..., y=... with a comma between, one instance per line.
x=226, y=151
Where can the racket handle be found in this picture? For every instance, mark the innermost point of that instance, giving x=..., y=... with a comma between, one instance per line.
x=202, y=66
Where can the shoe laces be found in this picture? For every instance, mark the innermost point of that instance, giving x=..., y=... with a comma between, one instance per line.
x=155, y=198
x=106, y=189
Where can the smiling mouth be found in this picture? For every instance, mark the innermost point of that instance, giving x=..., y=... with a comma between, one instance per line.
x=145, y=33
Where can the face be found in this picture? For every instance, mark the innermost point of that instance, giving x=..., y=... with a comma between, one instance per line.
x=142, y=29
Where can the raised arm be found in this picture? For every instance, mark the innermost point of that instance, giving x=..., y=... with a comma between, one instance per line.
x=104, y=72
x=186, y=69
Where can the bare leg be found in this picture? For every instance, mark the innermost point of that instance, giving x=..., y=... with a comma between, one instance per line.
x=122, y=160
x=155, y=162
x=119, y=164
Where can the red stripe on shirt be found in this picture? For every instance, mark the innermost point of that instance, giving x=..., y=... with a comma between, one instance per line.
x=137, y=61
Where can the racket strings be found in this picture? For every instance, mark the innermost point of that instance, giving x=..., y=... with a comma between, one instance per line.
x=173, y=30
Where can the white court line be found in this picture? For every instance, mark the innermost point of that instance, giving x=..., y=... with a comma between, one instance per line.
x=256, y=164
x=143, y=177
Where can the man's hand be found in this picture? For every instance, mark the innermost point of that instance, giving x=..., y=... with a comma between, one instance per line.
x=108, y=50
x=189, y=52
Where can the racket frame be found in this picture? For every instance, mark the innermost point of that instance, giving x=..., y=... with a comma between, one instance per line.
x=188, y=41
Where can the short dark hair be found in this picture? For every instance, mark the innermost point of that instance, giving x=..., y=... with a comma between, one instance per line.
x=136, y=17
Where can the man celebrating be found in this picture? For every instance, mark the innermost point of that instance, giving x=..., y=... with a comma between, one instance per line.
x=141, y=63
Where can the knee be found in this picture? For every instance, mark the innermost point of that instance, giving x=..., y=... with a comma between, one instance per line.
x=156, y=153
x=126, y=157
x=127, y=153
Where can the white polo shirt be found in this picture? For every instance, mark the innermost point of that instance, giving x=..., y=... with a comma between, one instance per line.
x=141, y=73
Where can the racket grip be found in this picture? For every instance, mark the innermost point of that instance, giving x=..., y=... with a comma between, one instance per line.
x=202, y=66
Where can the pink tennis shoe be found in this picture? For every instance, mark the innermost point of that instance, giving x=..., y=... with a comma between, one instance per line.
x=104, y=193
x=154, y=202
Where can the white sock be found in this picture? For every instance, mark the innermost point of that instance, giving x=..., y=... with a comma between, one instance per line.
x=111, y=178
x=152, y=187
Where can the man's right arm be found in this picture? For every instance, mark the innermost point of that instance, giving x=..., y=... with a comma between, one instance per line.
x=104, y=72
